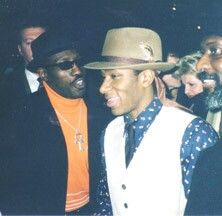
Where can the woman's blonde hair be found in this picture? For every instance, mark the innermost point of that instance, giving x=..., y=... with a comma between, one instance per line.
x=187, y=64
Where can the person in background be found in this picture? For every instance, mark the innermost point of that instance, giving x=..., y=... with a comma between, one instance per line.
x=206, y=193
x=172, y=57
x=50, y=158
x=172, y=84
x=147, y=166
x=173, y=87
x=193, y=86
x=19, y=81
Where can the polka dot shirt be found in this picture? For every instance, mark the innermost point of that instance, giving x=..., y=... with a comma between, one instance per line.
x=198, y=136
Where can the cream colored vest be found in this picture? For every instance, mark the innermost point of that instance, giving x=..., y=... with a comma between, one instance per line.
x=152, y=184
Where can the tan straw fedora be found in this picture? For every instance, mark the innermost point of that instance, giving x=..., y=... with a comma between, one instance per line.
x=131, y=48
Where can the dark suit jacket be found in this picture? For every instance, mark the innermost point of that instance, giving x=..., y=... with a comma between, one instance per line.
x=33, y=158
x=198, y=105
x=206, y=189
x=13, y=87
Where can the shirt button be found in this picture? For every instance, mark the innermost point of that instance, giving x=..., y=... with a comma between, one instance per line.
x=123, y=187
x=125, y=205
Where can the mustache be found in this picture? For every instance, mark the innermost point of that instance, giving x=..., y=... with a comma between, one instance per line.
x=205, y=76
x=78, y=76
x=213, y=100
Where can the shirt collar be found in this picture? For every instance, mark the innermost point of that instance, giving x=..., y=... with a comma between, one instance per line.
x=142, y=123
x=153, y=108
x=32, y=80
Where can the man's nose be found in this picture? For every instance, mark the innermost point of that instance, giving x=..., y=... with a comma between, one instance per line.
x=204, y=64
x=75, y=70
x=105, y=87
x=186, y=90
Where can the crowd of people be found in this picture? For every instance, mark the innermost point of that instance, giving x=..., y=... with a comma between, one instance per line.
x=154, y=149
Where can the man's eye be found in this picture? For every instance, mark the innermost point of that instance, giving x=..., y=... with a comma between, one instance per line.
x=102, y=77
x=113, y=76
x=215, y=51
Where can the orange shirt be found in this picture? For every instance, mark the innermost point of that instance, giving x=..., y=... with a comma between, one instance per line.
x=72, y=115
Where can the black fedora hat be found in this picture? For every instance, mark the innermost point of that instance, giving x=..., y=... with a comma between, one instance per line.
x=46, y=45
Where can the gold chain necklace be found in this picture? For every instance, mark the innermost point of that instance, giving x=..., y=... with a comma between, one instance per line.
x=78, y=139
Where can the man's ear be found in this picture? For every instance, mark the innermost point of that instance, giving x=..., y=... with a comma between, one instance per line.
x=20, y=49
x=42, y=74
x=147, y=77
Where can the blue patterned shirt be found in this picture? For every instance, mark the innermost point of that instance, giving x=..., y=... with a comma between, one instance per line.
x=198, y=136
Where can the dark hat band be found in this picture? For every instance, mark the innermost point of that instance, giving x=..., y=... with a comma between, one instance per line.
x=124, y=60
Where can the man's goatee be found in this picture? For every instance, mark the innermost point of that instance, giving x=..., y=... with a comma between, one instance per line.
x=214, y=100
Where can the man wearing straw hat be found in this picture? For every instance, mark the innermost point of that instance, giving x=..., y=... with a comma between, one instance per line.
x=150, y=149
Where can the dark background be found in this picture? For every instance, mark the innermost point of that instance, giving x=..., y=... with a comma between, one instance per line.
x=176, y=21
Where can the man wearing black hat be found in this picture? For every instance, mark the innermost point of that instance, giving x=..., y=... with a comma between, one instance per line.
x=46, y=140
x=18, y=82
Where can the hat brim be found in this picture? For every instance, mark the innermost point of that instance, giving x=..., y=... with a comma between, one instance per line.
x=162, y=66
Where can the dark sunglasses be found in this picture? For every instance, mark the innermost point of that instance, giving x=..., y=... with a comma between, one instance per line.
x=66, y=65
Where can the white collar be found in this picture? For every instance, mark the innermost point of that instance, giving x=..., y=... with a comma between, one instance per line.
x=32, y=80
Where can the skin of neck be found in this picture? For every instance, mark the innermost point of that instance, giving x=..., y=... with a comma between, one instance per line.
x=147, y=98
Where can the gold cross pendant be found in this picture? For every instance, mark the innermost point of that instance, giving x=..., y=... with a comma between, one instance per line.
x=79, y=141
